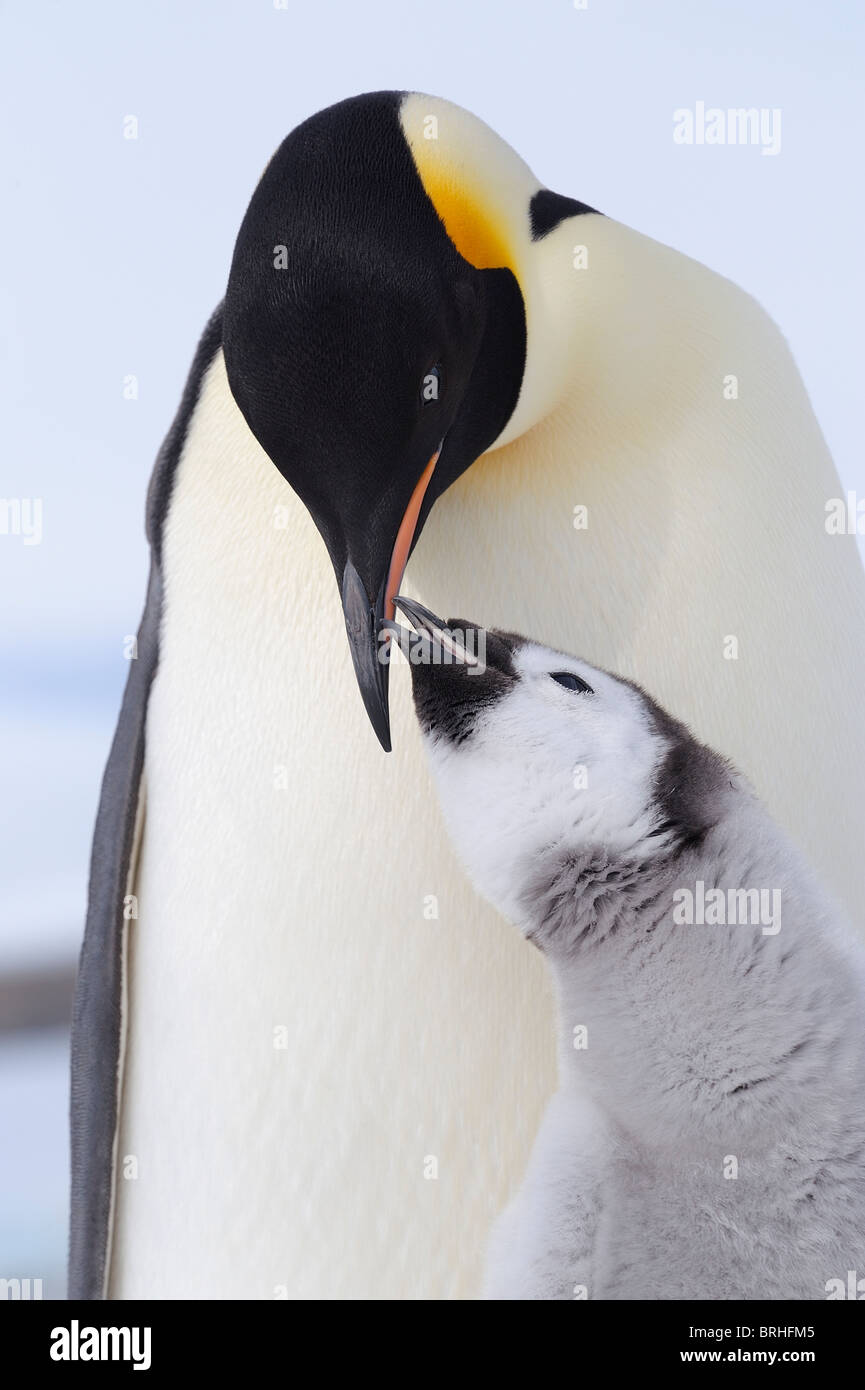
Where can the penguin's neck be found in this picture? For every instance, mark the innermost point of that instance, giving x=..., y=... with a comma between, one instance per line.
x=629, y=334
x=627, y=340
x=621, y=328
x=482, y=191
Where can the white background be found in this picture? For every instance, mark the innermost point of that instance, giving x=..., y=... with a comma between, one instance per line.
x=114, y=253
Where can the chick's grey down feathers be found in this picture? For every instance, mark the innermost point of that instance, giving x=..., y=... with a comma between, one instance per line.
x=707, y=1140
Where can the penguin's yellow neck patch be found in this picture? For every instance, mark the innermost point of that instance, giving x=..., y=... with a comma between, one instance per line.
x=480, y=237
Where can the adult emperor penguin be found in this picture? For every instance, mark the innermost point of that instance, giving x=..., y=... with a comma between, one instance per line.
x=307, y=1062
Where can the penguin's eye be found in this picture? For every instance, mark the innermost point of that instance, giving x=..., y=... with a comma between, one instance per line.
x=571, y=682
x=431, y=386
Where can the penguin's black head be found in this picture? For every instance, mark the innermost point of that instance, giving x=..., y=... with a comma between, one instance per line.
x=372, y=361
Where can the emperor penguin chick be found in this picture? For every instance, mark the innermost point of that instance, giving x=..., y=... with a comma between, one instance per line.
x=707, y=1140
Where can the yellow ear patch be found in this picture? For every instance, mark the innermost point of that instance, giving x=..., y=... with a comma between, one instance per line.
x=476, y=233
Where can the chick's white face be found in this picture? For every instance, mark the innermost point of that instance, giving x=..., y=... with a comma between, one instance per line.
x=543, y=767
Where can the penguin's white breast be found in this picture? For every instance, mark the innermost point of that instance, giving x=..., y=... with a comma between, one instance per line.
x=337, y=1056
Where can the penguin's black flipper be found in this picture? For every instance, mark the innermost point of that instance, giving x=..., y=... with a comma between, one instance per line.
x=97, y=1022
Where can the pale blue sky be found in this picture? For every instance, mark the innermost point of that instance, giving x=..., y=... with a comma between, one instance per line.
x=114, y=253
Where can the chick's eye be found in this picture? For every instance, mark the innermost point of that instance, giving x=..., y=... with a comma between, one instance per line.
x=431, y=386
x=571, y=682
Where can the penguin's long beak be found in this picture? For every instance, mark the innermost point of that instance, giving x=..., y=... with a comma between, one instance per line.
x=367, y=624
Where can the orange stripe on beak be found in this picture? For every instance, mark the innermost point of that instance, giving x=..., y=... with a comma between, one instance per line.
x=405, y=536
